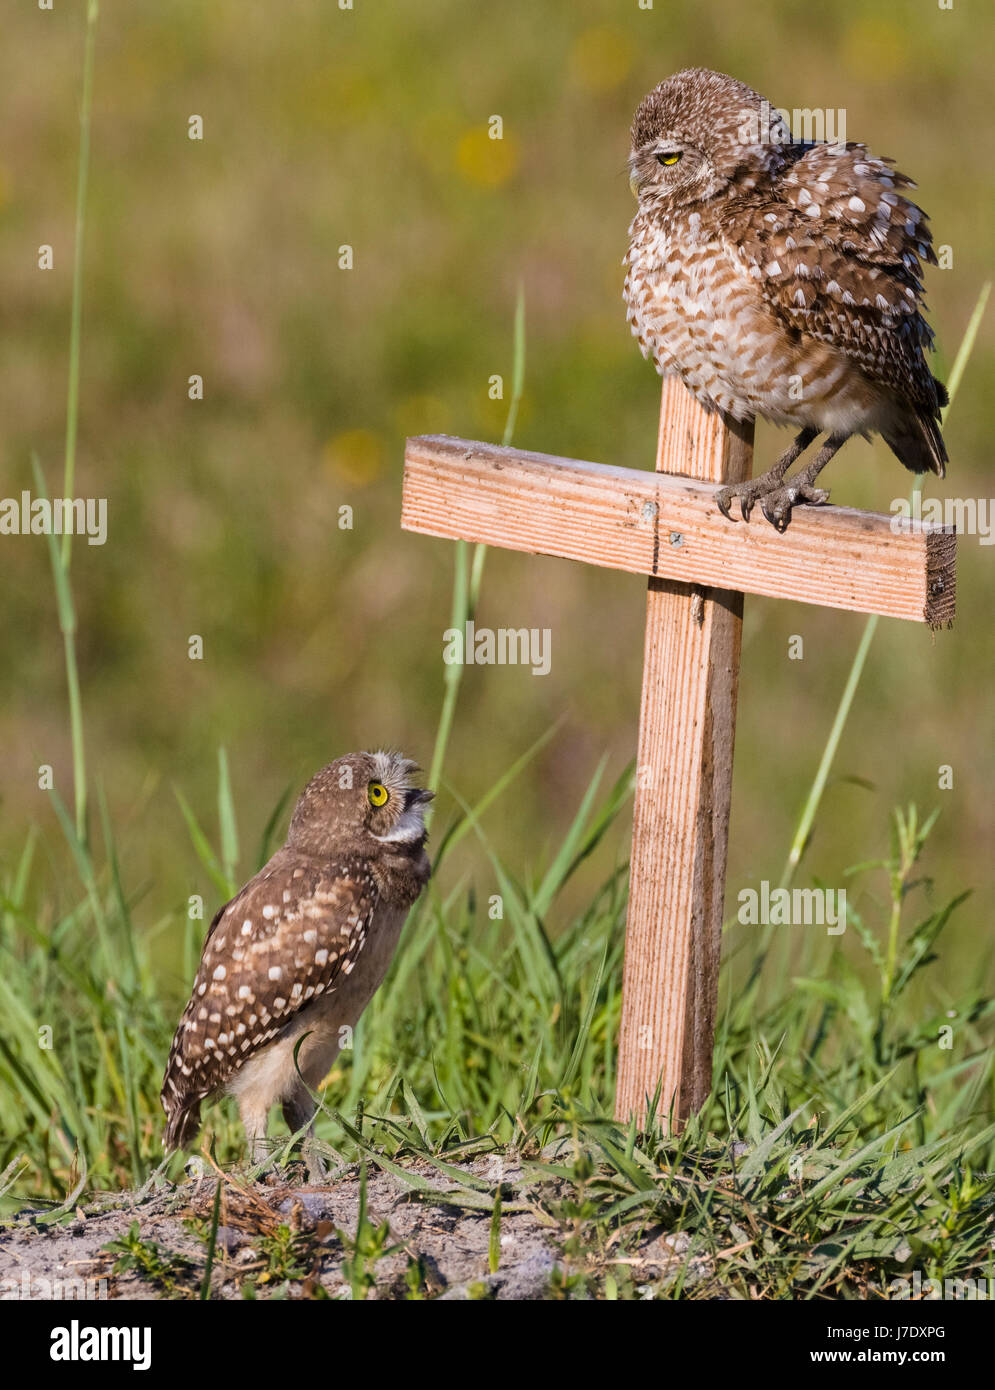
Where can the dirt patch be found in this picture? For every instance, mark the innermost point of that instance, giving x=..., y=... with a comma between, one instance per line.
x=422, y=1235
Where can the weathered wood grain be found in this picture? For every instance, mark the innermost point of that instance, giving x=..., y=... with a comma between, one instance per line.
x=669, y=526
x=680, y=831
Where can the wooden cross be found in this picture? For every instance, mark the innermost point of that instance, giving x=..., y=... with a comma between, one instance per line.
x=666, y=525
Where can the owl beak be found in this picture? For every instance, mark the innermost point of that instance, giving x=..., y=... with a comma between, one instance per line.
x=417, y=796
x=634, y=179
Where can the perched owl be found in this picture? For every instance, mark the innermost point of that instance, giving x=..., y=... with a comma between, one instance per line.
x=779, y=279
x=300, y=951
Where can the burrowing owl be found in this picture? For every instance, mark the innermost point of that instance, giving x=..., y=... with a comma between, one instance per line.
x=296, y=956
x=779, y=279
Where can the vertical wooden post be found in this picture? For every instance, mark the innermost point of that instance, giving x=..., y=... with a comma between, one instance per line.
x=684, y=778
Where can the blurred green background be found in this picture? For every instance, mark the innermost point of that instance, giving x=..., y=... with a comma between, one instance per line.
x=369, y=127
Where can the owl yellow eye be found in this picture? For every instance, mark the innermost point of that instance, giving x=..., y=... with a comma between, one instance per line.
x=378, y=794
x=668, y=157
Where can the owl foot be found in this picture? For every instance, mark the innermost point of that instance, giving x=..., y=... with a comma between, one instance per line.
x=747, y=493
x=776, y=506
x=776, y=499
x=317, y=1169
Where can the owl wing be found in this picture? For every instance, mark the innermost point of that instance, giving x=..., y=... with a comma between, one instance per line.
x=837, y=250
x=291, y=933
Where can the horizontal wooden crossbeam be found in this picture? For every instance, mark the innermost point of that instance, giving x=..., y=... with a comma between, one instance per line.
x=669, y=526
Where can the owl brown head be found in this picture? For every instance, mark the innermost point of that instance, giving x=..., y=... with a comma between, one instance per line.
x=698, y=130
x=358, y=801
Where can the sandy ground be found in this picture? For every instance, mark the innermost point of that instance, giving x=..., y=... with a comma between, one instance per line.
x=443, y=1246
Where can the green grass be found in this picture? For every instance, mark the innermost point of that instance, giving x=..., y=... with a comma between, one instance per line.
x=845, y=1142
x=842, y=1144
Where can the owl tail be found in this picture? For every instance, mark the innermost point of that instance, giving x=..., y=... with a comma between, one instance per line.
x=916, y=440
x=182, y=1122
x=181, y=1128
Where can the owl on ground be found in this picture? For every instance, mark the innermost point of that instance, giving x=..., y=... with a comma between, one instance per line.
x=780, y=279
x=292, y=961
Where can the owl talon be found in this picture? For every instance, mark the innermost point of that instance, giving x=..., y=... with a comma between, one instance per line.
x=723, y=500
x=777, y=505
x=747, y=494
x=317, y=1169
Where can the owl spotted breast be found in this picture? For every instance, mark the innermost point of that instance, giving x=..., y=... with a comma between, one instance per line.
x=297, y=955
x=780, y=279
